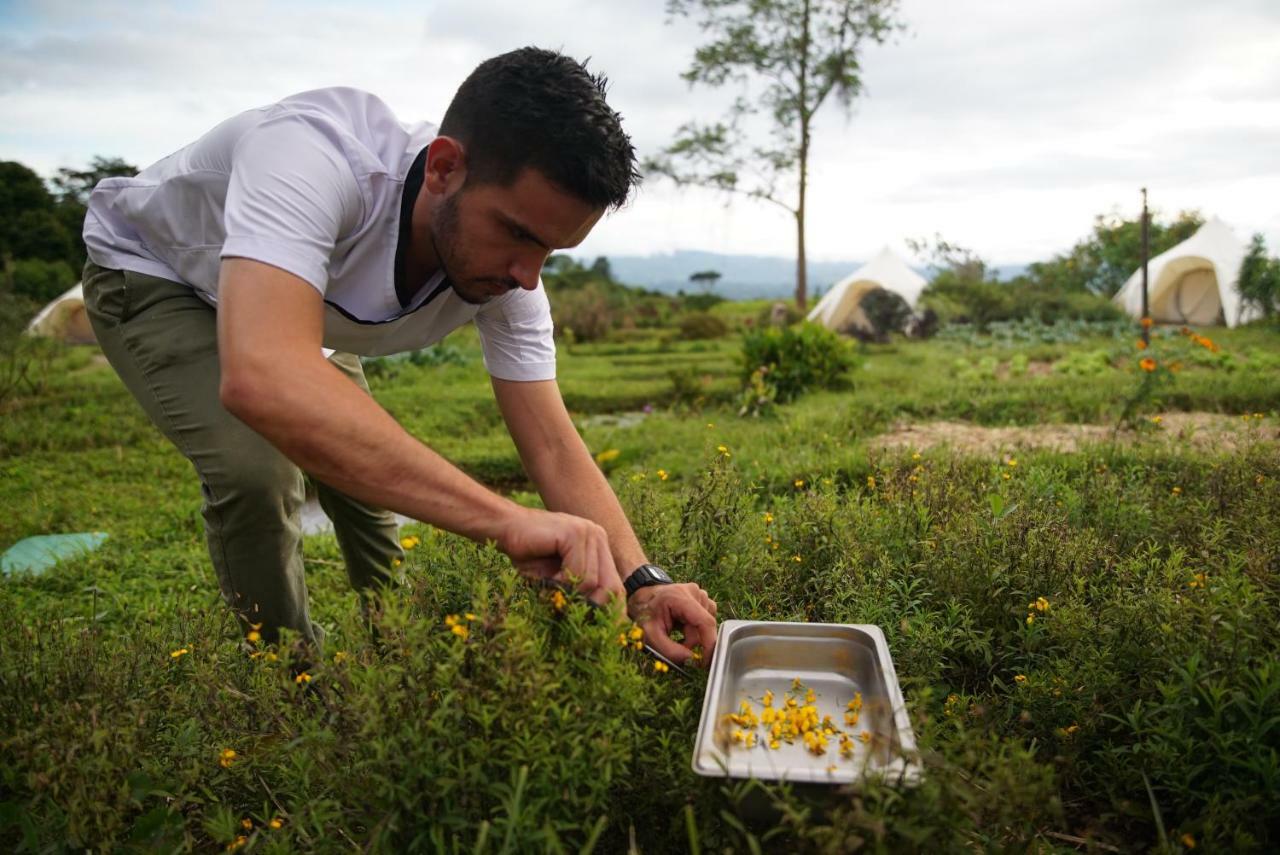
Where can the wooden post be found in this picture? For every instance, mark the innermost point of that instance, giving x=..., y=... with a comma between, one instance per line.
x=1146, y=251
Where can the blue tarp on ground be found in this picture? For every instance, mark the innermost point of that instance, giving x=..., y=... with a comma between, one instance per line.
x=37, y=554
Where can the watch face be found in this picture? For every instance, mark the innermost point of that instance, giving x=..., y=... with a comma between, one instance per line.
x=659, y=573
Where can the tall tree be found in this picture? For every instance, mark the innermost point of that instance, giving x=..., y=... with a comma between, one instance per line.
x=802, y=52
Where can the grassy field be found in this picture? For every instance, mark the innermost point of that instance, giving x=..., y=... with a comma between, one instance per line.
x=1137, y=711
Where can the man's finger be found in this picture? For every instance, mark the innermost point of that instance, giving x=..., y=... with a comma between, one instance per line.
x=699, y=626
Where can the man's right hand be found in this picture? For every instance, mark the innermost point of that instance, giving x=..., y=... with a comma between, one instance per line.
x=564, y=548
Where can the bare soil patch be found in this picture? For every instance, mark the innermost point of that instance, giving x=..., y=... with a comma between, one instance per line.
x=1201, y=431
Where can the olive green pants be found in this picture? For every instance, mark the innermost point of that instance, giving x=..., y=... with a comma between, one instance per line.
x=162, y=340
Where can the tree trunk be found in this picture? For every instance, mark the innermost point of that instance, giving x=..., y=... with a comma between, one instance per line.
x=802, y=277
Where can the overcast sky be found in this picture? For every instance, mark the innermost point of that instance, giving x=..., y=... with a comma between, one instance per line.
x=1002, y=126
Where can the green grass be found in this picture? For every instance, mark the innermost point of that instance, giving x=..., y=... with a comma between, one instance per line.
x=1147, y=711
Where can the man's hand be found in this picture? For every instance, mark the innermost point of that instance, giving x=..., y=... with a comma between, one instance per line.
x=661, y=608
x=564, y=548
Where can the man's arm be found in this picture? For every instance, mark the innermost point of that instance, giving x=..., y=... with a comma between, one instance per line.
x=274, y=378
x=569, y=481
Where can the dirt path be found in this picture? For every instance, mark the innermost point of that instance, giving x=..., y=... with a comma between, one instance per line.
x=1202, y=431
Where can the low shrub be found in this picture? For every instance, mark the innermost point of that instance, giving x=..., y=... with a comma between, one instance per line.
x=796, y=359
x=701, y=325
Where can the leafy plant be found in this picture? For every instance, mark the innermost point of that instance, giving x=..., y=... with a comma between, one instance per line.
x=797, y=358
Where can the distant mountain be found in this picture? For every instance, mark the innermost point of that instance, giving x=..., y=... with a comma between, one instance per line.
x=743, y=277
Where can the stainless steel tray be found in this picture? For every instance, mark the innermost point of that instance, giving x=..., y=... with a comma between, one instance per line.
x=836, y=661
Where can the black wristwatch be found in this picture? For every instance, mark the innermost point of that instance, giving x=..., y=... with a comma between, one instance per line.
x=644, y=576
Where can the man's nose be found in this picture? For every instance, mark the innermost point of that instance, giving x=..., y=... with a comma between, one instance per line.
x=526, y=271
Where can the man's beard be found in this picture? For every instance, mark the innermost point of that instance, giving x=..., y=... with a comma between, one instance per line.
x=454, y=263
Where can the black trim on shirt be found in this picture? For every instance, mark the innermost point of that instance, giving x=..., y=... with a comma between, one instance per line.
x=412, y=184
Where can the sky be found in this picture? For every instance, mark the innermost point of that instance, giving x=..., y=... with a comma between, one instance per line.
x=1003, y=127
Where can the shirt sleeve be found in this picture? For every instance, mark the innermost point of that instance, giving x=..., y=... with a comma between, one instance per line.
x=517, y=336
x=291, y=195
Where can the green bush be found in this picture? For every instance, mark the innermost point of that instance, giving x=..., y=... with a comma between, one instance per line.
x=797, y=358
x=40, y=280
x=702, y=325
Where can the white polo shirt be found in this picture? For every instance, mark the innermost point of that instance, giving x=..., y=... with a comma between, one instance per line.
x=312, y=185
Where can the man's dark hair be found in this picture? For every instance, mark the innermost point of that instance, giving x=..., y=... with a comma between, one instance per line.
x=538, y=108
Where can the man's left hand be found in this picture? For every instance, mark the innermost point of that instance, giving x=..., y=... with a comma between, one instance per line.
x=659, y=609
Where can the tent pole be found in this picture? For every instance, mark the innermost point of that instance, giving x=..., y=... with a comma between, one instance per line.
x=1146, y=251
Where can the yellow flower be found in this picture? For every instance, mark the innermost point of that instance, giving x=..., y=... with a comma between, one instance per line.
x=270, y=657
x=226, y=757
x=635, y=633
x=1188, y=841
x=460, y=631
x=1019, y=678
x=341, y=656
x=1142, y=345
x=915, y=456
x=710, y=426
x=662, y=474
x=661, y=667
x=1155, y=420
x=470, y=616
x=1011, y=462
x=253, y=637
x=723, y=449
x=1146, y=323
x=303, y=677
x=1147, y=364
x=451, y=620
x=246, y=824
x=796, y=558
x=410, y=541
x=871, y=483
x=768, y=517
x=396, y=562
x=240, y=841
x=179, y=653
x=1177, y=491
x=558, y=601
x=696, y=655
x=276, y=822
x=865, y=736
x=622, y=639
x=1041, y=604
x=799, y=483
x=1031, y=618
x=607, y=455
x=1197, y=581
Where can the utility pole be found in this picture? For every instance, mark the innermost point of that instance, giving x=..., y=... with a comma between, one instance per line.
x=1146, y=251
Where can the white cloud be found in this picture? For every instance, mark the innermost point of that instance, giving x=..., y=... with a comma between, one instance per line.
x=1006, y=127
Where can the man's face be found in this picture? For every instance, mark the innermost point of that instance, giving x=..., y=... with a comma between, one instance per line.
x=492, y=239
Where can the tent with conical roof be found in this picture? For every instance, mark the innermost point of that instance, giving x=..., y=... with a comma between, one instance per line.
x=1195, y=282
x=840, y=307
x=64, y=318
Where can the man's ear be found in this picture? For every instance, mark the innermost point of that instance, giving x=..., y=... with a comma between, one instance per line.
x=446, y=166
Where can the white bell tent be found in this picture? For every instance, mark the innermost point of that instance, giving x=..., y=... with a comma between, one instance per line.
x=1194, y=283
x=64, y=319
x=840, y=307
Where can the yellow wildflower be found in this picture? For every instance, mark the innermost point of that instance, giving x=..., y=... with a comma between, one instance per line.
x=865, y=737
x=799, y=483
x=340, y=657
x=303, y=677
x=607, y=455
x=1146, y=323
x=622, y=639
x=1019, y=678
x=246, y=824
x=871, y=483
x=226, y=757
x=410, y=541
x=796, y=558
x=396, y=562
x=1147, y=364
x=179, y=653
x=253, y=637
x=451, y=620
x=1188, y=841
x=710, y=426
x=1031, y=618
x=460, y=631
x=1177, y=491
x=768, y=517
x=768, y=698
x=276, y=822
x=558, y=601
x=270, y=657
x=1041, y=604
x=915, y=456
x=240, y=841
x=723, y=449
x=661, y=667
x=662, y=474
x=635, y=633
x=1155, y=420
